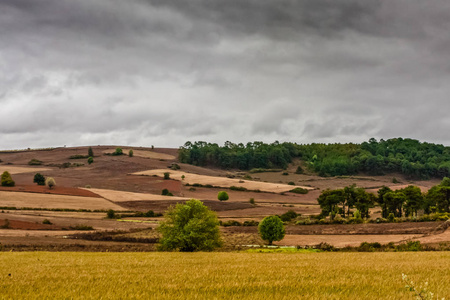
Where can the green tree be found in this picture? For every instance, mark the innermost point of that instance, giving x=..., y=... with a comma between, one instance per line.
x=222, y=196
x=118, y=151
x=414, y=200
x=39, y=179
x=438, y=197
x=381, y=192
x=271, y=229
x=189, y=227
x=131, y=153
x=7, y=180
x=90, y=160
x=90, y=152
x=329, y=200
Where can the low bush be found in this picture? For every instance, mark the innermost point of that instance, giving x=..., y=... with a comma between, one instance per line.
x=47, y=222
x=50, y=182
x=78, y=156
x=230, y=223
x=250, y=223
x=90, y=160
x=238, y=188
x=35, y=162
x=285, y=173
x=262, y=170
x=111, y=214
x=166, y=175
x=252, y=201
x=288, y=216
x=81, y=227
x=131, y=153
x=299, y=190
x=118, y=151
x=291, y=183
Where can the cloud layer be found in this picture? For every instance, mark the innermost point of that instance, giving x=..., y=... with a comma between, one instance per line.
x=144, y=72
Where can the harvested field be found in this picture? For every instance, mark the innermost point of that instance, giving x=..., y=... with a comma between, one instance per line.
x=119, y=196
x=57, y=190
x=19, y=170
x=34, y=200
x=222, y=181
x=144, y=153
x=15, y=224
x=262, y=211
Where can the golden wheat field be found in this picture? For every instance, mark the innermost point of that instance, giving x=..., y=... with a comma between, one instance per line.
x=46, y=275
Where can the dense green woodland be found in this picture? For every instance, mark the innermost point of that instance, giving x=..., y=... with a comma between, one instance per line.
x=406, y=156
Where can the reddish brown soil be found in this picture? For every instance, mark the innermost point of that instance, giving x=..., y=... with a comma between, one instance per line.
x=57, y=190
x=14, y=224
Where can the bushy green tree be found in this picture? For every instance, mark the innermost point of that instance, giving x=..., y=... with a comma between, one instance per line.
x=39, y=179
x=189, y=227
x=222, y=196
x=271, y=229
x=118, y=151
x=90, y=160
x=7, y=180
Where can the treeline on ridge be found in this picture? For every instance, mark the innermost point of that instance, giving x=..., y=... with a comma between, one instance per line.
x=407, y=156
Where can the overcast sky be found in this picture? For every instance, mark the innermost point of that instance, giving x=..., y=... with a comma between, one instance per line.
x=142, y=72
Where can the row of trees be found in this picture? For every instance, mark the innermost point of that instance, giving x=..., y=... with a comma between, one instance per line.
x=406, y=156
x=403, y=202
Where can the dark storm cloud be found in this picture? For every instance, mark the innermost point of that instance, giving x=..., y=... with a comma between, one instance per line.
x=162, y=72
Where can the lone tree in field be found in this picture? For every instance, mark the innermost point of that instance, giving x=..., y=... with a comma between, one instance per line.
x=7, y=180
x=39, y=179
x=90, y=160
x=90, y=152
x=222, y=196
x=189, y=227
x=131, y=153
x=271, y=229
x=50, y=182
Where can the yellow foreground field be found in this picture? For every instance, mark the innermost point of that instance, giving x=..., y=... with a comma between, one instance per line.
x=44, y=275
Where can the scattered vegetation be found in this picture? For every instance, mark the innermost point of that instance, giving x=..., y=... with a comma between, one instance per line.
x=6, y=179
x=78, y=156
x=35, y=162
x=299, y=190
x=189, y=227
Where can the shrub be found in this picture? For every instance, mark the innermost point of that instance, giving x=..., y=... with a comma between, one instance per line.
x=271, y=229
x=291, y=183
x=90, y=152
x=35, y=162
x=183, y=177
x=299, y=190
x=394, y=180
x=299, y=170
x=166, y=175
x=250, y=223
x=192, y=189
x=164, y=192
x=285, y=173
x=175, y=167
x=189, y=227
x=47, y=222
x=231, y=223
x=50, y=182
x=90, y=160
x=222, y=196
x=131, y=153
x=238, y=188
x=78, y=156
x=111, y=214
x=7, y=180
x=288, y=216
x=252, y=201
x=39, y=179
x=81, y=227
x=118, y=151
x=391, y=217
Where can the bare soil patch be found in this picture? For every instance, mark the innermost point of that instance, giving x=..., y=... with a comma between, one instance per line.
x=57, y=190
x=119, y=196
x=162, y=206
x=35, y=200
x=343, y=240
x=15, y=224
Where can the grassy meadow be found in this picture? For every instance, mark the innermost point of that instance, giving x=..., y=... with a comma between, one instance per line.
x=58, y=275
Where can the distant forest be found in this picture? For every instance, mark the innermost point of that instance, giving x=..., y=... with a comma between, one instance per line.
x=399, y=155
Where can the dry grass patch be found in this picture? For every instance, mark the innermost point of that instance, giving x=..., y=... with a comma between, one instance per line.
x=45, y=275
x=144, y=153
x=119, y=196
x=19, y=170
x=221, y=181
x=34, y=200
